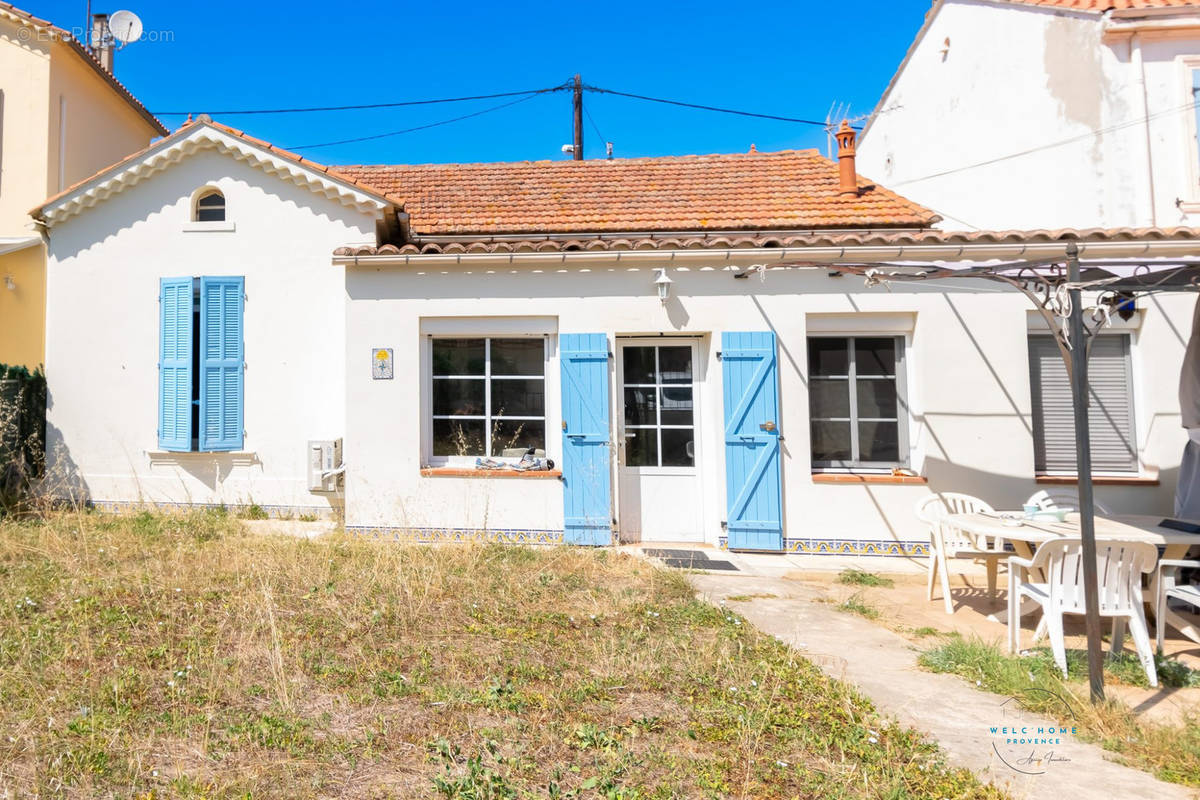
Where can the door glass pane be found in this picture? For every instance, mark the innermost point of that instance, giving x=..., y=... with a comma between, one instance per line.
x=677, y=447
x=675, y=364
x=879, y=441
x=641, y=447
x=829, y=397
x=518, y=398
x=512, y=437
x=676, y=406
x=831, y=441
x=876, y=356
x=458, y=356
x=638, y=364
x=458, y=397
x=828, y=357
x=639, y=406
x=458, y=437
x=517, y=356
x=877, y=398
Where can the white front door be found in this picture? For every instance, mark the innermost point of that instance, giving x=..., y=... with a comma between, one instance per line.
x=659, y=481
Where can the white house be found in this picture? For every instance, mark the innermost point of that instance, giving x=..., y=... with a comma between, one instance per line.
x=1026, y=114
x=673, y=333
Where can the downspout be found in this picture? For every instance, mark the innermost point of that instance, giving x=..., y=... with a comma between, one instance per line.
x=1147, y=185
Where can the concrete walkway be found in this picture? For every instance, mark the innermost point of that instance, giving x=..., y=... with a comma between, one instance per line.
x=956, y=716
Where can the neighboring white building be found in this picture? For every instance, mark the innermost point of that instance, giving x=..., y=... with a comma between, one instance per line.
x=1045, y=114
x=631, y=320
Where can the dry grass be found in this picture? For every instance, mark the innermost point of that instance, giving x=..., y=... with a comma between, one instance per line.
x=160, y=657
x=1170, y=752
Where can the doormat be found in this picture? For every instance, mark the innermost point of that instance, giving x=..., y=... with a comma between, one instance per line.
x=689, y=559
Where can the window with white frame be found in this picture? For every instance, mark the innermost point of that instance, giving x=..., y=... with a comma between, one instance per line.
x=488, y=397
x=857, y=406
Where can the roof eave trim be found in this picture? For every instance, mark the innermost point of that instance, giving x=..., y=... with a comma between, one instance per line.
x=173, y=149
x=825, y=254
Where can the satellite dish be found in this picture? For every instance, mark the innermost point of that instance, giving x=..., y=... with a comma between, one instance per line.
x=125, y=27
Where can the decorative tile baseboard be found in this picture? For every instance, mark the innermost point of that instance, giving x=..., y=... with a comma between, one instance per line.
x=444, y=535
x=847, y=547
x=236, y=509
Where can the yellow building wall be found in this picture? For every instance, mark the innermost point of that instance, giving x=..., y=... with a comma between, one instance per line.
x=23, y=308
x=40, y=80
x=25, y=82
x=101, y=128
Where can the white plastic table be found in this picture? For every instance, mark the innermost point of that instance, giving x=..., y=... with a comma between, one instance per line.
x=1129, y=528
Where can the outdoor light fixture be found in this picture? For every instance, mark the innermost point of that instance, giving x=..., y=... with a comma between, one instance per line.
x=9, y=283
x=663, y=283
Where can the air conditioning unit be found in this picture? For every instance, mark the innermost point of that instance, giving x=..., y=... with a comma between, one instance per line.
x=324, y=465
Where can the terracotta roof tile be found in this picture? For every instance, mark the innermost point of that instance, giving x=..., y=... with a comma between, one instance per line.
x=25, y=18
x=791, y=189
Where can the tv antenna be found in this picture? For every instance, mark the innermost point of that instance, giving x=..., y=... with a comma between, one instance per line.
x=125, y=27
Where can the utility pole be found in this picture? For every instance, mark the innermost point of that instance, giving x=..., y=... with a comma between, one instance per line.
x=1083, y=471
x=578, y=117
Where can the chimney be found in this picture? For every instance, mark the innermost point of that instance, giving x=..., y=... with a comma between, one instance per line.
x=847, y=174
x=102, y=42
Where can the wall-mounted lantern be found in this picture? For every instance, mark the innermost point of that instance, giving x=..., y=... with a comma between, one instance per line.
x=663, y=284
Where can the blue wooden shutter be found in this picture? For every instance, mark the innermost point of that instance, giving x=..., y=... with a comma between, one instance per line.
x=175, y=364
x=752, y=470
x=587, y=463
x=221, y=374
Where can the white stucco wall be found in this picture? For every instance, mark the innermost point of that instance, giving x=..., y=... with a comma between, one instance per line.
x=103, y=335
x=968, y=387
x=1013, y=79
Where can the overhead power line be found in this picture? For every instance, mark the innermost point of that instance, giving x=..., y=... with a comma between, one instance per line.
x=367, y=106
x=600, y=90
x=481, y=112
x=562, y=87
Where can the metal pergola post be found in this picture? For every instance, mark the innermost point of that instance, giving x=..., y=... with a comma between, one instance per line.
x=1083, y=471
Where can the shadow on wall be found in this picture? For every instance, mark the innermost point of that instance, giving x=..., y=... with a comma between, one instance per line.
x=63, y=483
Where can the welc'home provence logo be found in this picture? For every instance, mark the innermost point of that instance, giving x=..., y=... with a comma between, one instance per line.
x=1034, y=748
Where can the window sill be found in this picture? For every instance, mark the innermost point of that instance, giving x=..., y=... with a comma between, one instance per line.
x=174, y=456
x=467, y=472
x=224, y=226
x=1099, y=480
x=866, y=477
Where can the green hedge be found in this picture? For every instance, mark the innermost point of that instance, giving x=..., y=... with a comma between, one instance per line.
x=22, y=428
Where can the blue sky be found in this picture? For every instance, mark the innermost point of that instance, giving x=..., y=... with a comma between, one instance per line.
x=790, y=59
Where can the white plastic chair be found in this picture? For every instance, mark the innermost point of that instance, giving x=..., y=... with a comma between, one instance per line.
x=1061, y=498
x=1119, y=568
x=947, y=541
x=1168, y=590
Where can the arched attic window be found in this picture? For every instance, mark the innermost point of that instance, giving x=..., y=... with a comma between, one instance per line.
x=210, y=206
